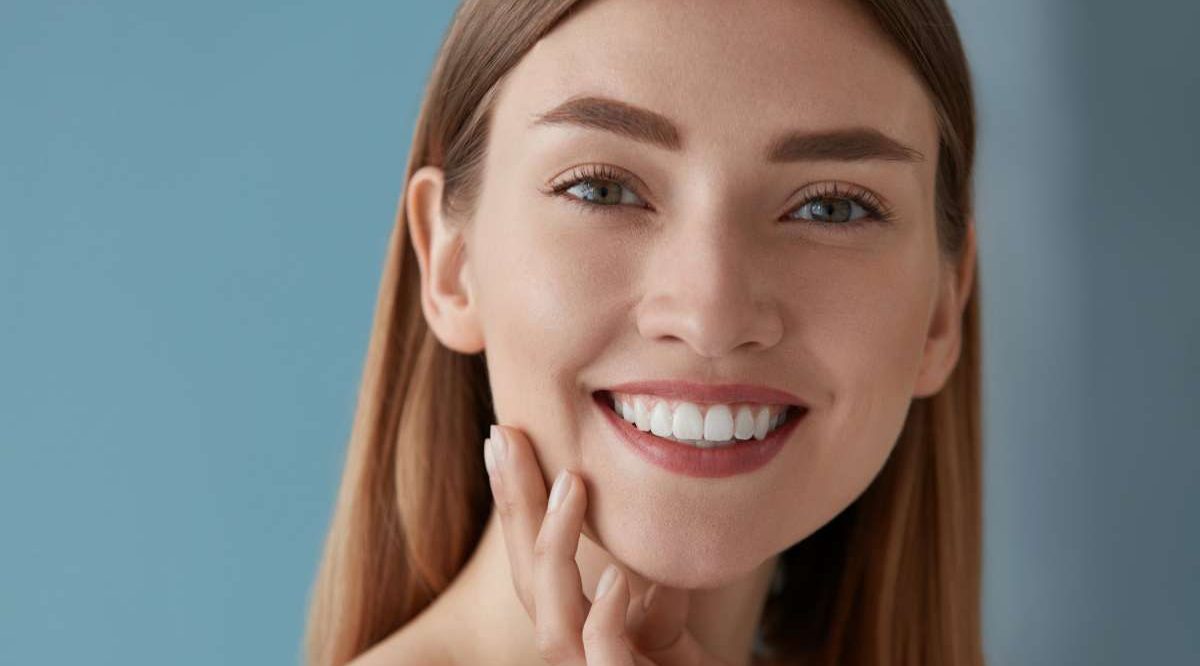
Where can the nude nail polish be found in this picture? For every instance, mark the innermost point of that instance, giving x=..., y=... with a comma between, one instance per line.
x=489, y=460
x=558, y=493
x=499, y=446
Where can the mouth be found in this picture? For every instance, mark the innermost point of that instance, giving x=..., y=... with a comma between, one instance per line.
x=723, y=454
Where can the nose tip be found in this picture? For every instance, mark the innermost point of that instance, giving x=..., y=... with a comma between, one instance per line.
x=714, y=315
x=711, y=327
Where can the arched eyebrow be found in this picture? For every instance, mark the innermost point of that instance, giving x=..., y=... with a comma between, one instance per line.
x=634, y=122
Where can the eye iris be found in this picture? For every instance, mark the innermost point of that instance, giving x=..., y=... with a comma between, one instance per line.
x=831, y=210
x=607, y=193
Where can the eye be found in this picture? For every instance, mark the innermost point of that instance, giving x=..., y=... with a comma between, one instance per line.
x=602, y=192
x=598, y=188
x=841, y=208
x=830, y=209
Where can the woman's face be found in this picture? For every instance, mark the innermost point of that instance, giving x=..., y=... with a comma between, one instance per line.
x=714, y=262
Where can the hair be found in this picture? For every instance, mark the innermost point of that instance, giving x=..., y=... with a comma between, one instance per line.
x=893, y=579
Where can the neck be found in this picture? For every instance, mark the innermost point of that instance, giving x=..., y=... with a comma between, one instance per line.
x=481, y=602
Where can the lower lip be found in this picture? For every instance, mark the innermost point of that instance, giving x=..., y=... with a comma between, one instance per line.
x=740, y=458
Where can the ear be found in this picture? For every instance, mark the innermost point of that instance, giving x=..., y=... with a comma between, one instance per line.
x=447, y=300
x=944, y=344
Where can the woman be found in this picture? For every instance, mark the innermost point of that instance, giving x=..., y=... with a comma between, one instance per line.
x=712, y=270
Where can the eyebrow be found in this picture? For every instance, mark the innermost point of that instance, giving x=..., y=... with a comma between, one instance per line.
x=646, y=126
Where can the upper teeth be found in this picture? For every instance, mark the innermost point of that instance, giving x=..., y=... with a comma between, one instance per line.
x=701, y=425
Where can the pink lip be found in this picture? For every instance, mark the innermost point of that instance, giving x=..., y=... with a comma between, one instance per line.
x=709, y=393
x=739, y=458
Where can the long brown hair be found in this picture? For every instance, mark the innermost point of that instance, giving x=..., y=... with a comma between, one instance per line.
x=894, y=579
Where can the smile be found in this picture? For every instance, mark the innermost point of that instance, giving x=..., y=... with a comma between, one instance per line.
x=713, y=440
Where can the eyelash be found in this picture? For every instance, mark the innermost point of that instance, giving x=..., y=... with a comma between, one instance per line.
x=593, y=173
x=876, y=210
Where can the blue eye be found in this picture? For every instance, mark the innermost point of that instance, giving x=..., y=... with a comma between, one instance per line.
x=601, y=192
x=599, y=188
x=829, y=209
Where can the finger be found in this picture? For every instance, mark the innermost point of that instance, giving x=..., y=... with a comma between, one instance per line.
x=560, y=607
x=604, y=629
x=660, y=632
x=520, y=499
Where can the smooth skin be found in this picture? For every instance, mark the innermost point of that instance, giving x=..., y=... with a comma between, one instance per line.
x=703, y=271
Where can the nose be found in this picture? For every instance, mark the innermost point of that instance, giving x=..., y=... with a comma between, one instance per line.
x=711, y=288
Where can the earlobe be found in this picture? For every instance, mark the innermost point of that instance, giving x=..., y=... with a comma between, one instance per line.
x=943, y=346
x=447, y=301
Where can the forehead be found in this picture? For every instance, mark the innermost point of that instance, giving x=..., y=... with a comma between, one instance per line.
x=729, y=78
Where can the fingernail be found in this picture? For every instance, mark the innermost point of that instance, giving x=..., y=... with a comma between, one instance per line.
x=649, y=598
x=489, y=460
x=559, y=492
x=501, y=445
x=606, y=581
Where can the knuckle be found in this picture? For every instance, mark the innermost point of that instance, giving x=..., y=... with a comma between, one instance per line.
x=505, y=506
x=592, y=634
x=543, y=546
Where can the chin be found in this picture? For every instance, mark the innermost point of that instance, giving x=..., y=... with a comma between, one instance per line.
x=691, y=573
x=687, y=558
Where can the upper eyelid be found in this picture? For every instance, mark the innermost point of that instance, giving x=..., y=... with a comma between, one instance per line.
x=839, y=190
x=584, y=172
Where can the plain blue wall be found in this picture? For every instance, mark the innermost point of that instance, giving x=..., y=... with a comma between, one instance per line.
x=194, y=204
x=1089, y=161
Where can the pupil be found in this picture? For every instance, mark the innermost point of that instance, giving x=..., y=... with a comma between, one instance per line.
x=837, y=210
x=603, y=192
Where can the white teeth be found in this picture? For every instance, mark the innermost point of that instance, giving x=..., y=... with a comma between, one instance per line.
x=688, y=422
x=744, y=429
x=660, y=420
x=718, y=425
x=641, y=416
x=762, y=423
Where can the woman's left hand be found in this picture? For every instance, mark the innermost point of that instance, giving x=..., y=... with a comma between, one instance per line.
x=541, y=536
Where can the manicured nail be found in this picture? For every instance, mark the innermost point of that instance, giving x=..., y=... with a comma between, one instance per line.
x=559, y=492
x=489, y=459
x=606, y=581
x=500, y=451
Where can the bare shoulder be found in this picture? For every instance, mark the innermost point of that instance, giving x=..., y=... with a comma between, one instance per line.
x=411, y=645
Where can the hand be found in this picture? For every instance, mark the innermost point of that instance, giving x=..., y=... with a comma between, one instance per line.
x=541, y=542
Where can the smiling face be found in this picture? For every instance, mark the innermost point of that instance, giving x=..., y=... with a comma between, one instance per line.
x=703, y=245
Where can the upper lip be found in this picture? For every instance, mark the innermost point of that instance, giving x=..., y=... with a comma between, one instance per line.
x=679, y=389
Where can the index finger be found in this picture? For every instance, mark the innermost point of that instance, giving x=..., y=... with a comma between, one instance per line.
x=520, y=497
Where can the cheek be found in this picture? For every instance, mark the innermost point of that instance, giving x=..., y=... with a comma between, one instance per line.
x=865, y=338
x=869, y=333
x=548, y=300
x=549, y=306
x=558, y=271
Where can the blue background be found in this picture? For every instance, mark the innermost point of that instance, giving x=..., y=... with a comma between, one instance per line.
x=194, y=204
